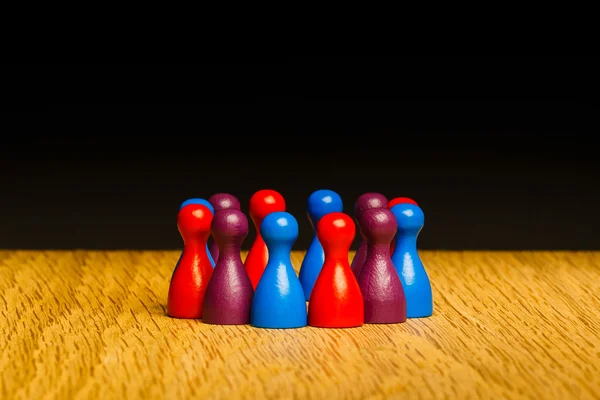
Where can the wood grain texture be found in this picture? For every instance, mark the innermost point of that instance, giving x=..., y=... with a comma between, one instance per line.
x=92, y=325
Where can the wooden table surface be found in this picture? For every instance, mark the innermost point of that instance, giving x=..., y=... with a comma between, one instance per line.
x=92, y=325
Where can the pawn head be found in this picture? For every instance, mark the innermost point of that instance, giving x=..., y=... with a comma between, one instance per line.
x=378, y=225
x=322, y=202
x=229, y=226
x=400, y=200
x=279, y=228
x=367, y=201
x=198, y=201
x=409, y=217
x=336, y=230
x=264, y=202
x=194, y=221
x=224, y=201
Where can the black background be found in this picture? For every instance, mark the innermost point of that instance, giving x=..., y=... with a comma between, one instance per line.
x=500, y=152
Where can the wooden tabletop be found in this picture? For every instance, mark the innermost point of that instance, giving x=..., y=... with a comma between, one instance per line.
x=92, y=325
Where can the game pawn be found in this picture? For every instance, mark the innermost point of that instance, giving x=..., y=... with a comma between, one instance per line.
x=363, y=203
x=279, y=299
x=336, y=300
x=320, y=203
x=392, y=203
x=379, y=282
x=262, y=203
x=193, y=270
x=221, y=201
x=415, y=282
x=228, y=297
x=212, y=211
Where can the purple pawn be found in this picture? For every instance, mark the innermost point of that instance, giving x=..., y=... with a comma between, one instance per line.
x=363, y=203
x=221, y=201
x=228, y=297
x=379, y=282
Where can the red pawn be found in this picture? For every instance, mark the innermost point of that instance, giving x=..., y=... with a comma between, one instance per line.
x=193, y=270
x=336, y=300
x=262, y=203
x=392, y=203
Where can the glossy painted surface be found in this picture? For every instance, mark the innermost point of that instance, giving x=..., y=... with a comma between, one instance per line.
x=415, y=282
x=221, y=201
x=336, y=300
x=228, y=297
x=320, y=203
x=262, y=203
x=205, y=203
x=193, y=270
x=279, y=299
x=392, y=203
x=379, y=283
x=365, y=202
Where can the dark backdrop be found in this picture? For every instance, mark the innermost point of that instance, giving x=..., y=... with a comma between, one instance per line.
x=499, y=151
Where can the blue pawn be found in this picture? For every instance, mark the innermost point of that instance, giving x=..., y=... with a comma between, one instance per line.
x=279, y=300
x=212, y=210
x=320, y=203
x=415, y=282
